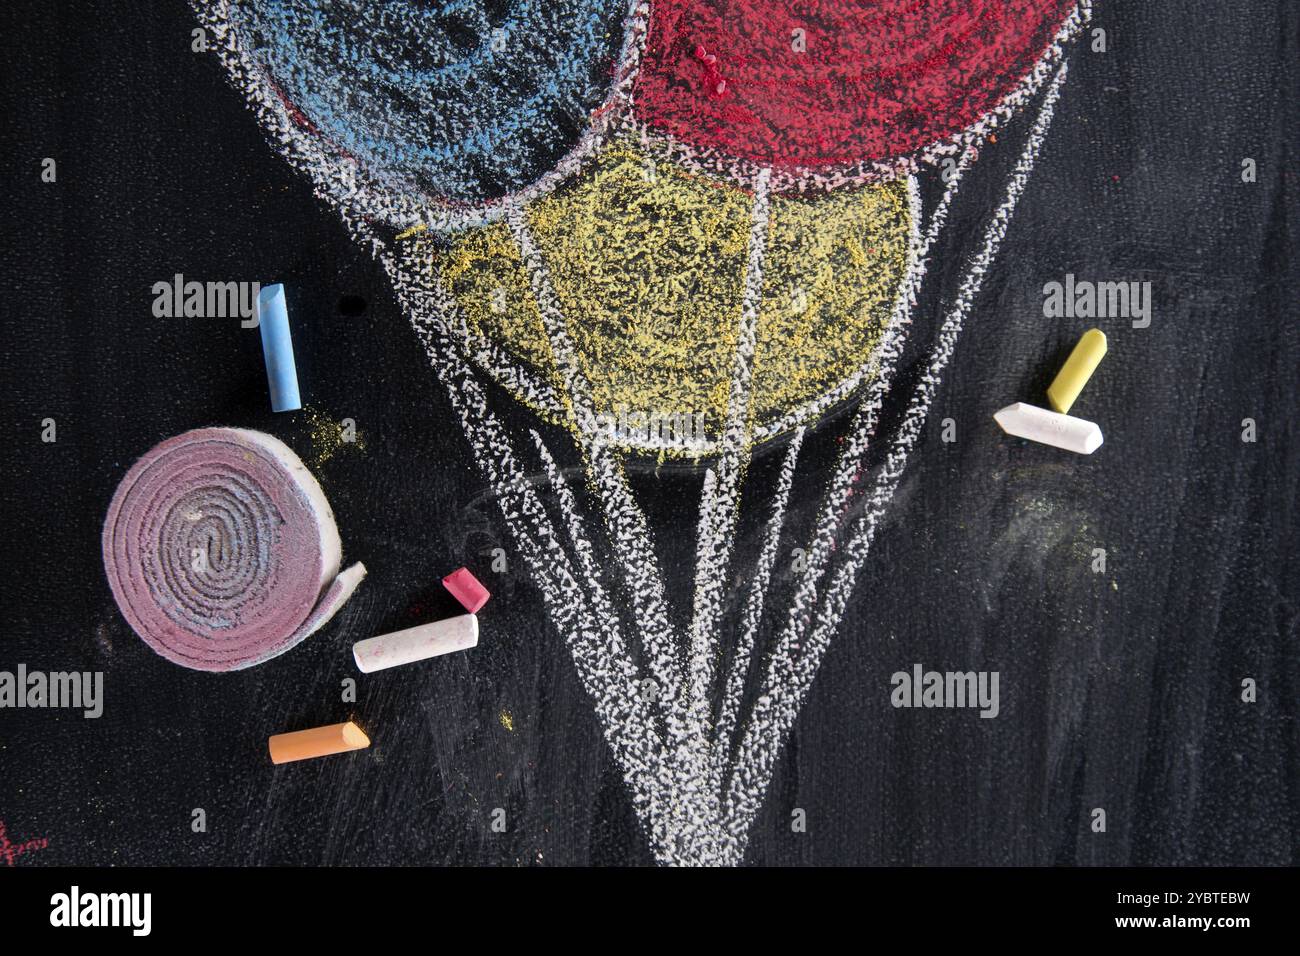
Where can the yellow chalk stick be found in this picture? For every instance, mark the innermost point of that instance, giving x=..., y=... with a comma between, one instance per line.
x=1076, y=371
x=317, y=742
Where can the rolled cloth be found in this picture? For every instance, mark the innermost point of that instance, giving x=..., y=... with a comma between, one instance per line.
x=222, y=551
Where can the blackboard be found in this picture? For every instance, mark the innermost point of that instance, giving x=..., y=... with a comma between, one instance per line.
x=1121, y=691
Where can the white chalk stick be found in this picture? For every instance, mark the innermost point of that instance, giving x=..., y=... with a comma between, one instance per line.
x=1050, y=428
x=458, y=633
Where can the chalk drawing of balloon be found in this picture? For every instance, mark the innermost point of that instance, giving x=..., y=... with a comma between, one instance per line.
x=682, y=230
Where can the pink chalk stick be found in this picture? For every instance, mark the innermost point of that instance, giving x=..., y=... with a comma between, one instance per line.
x=466, y=589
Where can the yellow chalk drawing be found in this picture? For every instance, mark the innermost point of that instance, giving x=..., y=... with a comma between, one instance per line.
x=649, y=274
x=507, y=720
x=845, y=256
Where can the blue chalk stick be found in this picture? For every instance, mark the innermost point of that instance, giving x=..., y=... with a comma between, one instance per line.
x=277, y=349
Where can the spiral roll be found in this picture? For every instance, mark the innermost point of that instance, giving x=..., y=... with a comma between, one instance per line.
x=222, y=551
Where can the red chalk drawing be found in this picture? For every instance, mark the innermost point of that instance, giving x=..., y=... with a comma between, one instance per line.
x=12, y=851
x=815, y=83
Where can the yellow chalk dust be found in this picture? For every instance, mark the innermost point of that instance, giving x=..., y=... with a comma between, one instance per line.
x=329, y=437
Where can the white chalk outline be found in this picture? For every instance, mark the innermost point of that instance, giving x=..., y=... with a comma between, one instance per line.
x=692, y=810
x=686, y=820
x=792, y=665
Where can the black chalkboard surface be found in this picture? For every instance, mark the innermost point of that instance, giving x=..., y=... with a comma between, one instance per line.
x=1162, y=691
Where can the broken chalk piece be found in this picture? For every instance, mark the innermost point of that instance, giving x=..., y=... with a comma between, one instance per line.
x=1076, y=371
x=458, y=633
x=277, y=349
x=466, y=589
x=1050, y=428
x=317, y=742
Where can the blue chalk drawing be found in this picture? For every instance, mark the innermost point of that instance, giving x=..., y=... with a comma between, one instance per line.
x=451, y=99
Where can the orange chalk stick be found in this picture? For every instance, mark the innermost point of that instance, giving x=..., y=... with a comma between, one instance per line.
x=317, y=742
